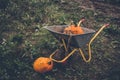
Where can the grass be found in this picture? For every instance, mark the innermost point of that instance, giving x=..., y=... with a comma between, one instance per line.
x=23, y=40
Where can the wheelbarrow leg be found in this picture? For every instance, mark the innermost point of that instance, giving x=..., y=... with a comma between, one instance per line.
x=89, y=45
x=64, y=59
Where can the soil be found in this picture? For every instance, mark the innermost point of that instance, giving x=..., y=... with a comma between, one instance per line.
x=99, y=68
x=102, y=9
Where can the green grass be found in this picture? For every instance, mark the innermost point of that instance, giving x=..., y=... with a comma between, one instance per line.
x=23, y=39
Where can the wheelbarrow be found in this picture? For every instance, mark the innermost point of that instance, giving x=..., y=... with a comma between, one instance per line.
x=76, y=41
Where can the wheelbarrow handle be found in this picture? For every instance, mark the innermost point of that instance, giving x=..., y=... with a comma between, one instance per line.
x=89, y=45
x=82, y=20
x=106, y=25
x=98, y=32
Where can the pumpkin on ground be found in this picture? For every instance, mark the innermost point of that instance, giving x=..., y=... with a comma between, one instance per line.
x=43, y=64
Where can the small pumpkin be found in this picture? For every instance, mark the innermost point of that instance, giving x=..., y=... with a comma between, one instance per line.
x=43, y=64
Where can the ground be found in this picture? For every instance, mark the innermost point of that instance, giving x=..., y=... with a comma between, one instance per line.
x=105, y=63
x=24, y=39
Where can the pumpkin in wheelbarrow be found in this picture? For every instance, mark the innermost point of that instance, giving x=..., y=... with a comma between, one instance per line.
x=74, y=29
x=43, y=64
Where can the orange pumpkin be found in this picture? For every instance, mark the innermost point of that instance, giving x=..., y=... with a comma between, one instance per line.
x=74, y=29
x=79, y=30
x=70, y=29
x=43, y=64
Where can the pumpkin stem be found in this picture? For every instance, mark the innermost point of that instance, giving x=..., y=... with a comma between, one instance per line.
x=49, y=63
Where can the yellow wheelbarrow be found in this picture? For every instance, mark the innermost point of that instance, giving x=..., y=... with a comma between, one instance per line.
x=74, y=42
x=77, y=41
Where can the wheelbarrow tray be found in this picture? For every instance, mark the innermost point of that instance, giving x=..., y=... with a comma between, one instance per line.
x=74, y=40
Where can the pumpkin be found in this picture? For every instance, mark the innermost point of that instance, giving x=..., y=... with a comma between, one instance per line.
x=43, y=64
x=79, y=30
x=74, y=29
x=70, y=29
